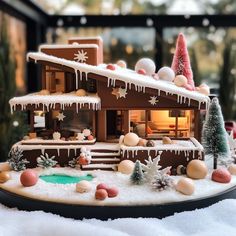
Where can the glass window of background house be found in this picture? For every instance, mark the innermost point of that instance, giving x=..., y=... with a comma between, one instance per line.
x=115, y=7
x=129, y=44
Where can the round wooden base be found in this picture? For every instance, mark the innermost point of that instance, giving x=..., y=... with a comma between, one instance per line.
x=105, y=212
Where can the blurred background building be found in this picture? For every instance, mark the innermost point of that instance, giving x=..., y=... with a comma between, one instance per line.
x=130, y=29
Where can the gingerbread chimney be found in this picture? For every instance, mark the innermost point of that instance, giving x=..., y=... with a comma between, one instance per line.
x=82, y=50
x=90, y=40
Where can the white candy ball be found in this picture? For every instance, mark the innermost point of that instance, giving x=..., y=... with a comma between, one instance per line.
x=86, y=132
x=147, y=64
x=83, y=186
x=203, y=89
x=166, y=73
x=185, y=186
x=80, y=136
x=126, y=167
x=56, y=135
x=131, y=139
x=180, y=81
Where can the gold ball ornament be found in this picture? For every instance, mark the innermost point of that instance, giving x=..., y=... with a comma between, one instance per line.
x=121, y=64
x=131, y=139
x=197, y=169
x=83, y=186
x=4, y=176
x=80, y=93
x=232, y=169
x=5, y=166
x=203, y=89
x=180, y=81
x=166, y=140
x=44, y=92
x=126, y=167
x=185, y=186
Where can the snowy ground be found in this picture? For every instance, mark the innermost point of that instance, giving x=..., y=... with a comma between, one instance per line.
x=218, y=219
x=129, y=194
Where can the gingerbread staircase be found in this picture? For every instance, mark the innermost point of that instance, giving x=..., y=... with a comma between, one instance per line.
x=103, y=160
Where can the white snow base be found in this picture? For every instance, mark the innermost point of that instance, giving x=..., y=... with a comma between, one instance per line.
x=128, y=194
x=218, y=219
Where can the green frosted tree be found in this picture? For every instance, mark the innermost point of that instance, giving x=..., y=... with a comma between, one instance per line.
x=137, y=176
x=214, y=135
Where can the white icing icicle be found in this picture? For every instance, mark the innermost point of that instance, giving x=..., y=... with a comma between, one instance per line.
x=50, y=101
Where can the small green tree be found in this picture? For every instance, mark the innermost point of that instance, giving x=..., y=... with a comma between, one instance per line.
x=137, y=176
x=214, y=135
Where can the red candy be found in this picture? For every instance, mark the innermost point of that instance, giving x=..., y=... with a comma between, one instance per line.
x=101, y=194
x=221, y=176
x=102, y=186
x=111, y=67
x=112, y=192
x=29, y=178
x=83, y=161
x=90, y=137
x=142, y=72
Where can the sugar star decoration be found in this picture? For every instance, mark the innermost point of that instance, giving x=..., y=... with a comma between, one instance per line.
x=119, y=92
x=60, y=116
x=115, y=91
x=81, y=56
x=153, y=100
x=122, y=93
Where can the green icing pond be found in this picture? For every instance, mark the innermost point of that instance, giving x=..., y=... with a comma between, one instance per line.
x=65, y=179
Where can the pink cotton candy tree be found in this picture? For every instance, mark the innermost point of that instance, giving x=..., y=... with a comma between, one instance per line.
x=181, y=62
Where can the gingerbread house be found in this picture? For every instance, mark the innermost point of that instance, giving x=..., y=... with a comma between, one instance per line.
x=84, y=101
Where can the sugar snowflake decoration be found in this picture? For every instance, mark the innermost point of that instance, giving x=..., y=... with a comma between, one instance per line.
x=44, y=161
x=153, y=100
x=81, y=56
x=152, y=169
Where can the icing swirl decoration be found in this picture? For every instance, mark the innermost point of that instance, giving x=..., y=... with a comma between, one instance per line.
x=81, y=56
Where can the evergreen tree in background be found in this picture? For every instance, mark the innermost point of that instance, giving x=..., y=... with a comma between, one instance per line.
x=11, y=126
x=137, y=176
x=228, y=81
x=214, y=135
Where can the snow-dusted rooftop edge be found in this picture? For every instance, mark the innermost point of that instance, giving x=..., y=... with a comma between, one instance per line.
x=50, y=101
x=129, y=77
x=74, y=45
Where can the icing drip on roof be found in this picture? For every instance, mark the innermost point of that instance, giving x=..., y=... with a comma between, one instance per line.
x=129, y=77
x=50, y=101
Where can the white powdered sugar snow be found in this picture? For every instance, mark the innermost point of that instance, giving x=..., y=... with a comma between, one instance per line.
x=218, y=219
x=128, y=194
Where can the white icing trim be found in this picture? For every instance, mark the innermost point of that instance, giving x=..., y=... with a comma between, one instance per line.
x=50, y=101
x=52, y=46
x=185, y=146
x=129, y=77
x=50, y=141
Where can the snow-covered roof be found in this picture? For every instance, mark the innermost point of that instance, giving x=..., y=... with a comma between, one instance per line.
x=50, y=101
x=129, y=77
x=73, y=45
